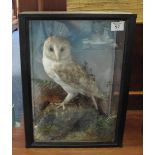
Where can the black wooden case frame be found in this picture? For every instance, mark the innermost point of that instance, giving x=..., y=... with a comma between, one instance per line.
x=24, y=19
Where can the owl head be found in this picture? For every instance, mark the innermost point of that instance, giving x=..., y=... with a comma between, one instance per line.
x=57, y=49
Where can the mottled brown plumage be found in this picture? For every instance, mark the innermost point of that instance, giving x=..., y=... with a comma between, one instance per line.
x=75, y=76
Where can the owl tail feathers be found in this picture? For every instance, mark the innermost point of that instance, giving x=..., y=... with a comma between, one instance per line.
x=94, y=102
x=101, y=106
x=99, y=100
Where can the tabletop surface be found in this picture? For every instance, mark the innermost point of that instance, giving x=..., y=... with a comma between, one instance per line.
x=132, y=143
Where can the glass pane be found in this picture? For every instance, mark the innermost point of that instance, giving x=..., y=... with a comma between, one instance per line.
x=17, y=103
x=75, y=78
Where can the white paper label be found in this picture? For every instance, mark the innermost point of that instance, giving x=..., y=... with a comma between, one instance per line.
x=117, y=26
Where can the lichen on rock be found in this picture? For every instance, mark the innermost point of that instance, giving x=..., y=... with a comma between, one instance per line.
x=80, y=121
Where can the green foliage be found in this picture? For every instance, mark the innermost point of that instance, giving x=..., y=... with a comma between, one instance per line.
x=74, y=124
x=78, y=122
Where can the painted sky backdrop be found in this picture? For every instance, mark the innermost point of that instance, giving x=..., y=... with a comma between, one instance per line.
x=92, y=42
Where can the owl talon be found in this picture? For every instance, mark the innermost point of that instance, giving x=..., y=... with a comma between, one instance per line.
x=61, y=105
x=57, y=104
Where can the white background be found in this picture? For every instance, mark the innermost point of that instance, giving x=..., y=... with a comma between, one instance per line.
x=5, y=77
x=149, y=78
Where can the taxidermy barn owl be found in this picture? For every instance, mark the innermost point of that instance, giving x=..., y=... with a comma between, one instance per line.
x=60, y=66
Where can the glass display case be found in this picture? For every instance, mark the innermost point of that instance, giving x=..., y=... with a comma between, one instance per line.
x=75, y=75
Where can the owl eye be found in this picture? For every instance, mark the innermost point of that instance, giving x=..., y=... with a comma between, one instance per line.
x=62, y=49
x=51, y=49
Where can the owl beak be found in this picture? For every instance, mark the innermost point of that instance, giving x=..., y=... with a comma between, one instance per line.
x=57, y=55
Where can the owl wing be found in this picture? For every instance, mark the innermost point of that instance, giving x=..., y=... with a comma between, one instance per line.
x=75, y=76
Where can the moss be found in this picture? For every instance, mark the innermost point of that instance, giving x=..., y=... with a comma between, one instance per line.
x=78, y=122
x=105, y=127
